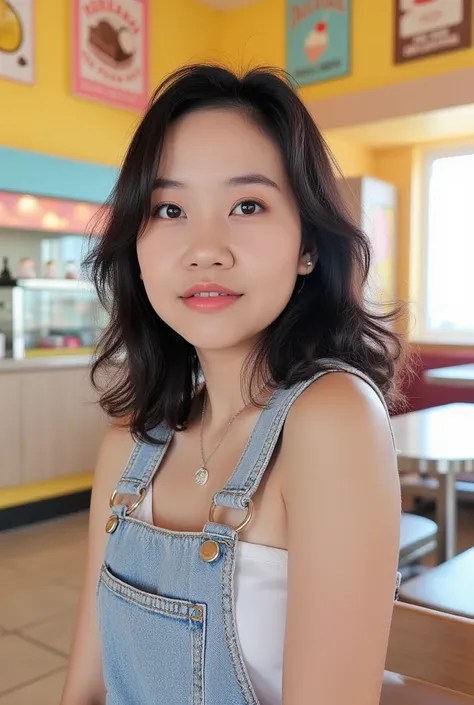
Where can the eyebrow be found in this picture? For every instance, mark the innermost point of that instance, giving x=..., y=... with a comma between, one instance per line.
x=167, y=183
x=251, y=180
x=244, y=180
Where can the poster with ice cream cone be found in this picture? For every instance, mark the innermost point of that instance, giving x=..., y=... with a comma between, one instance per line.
x=318, y=39
x=17, y=40
x=111, y=51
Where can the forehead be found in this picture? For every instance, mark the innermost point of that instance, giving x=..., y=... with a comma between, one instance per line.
x=219, y=140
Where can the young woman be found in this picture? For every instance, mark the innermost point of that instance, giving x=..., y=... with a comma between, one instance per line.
x=249, y=553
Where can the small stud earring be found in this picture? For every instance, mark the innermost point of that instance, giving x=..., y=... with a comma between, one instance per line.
x=309, y=263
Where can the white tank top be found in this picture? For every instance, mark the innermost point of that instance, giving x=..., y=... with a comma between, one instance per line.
x=260, y=588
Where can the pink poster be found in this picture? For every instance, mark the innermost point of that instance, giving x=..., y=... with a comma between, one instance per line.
x=111, y=51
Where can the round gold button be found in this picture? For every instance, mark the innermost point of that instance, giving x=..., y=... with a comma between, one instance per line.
x=209, y=551
x=112, y=523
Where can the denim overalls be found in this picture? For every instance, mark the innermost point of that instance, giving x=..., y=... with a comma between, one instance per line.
x=165, y=598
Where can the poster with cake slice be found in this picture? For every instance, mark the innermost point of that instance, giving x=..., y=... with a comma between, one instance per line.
x=428, y=27
x=17, y=40
x=318, y=39
x=111, y=52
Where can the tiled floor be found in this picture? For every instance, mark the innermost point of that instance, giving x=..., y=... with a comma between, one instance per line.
x=40, y=575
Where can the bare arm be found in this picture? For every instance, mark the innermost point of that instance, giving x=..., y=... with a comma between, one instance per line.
x=84, y=682
x=342, y=495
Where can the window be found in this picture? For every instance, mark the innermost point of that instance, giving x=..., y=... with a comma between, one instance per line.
x=448, y=252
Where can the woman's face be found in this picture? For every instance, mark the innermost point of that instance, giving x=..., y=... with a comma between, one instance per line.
x=221, y=253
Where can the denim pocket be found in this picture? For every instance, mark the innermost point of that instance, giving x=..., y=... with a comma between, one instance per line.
x=153, y=646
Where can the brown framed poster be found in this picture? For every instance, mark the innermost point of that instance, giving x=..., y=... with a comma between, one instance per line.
x=429, y=27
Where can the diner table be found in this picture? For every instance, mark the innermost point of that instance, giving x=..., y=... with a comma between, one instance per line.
x=438, y=443
x=455, y=376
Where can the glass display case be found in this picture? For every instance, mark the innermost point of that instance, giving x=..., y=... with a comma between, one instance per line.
x=50, y=317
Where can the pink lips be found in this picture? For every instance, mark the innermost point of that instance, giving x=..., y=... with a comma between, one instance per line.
x=208, y=298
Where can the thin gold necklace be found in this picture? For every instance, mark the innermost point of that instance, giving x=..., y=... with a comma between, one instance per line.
x=201, y=476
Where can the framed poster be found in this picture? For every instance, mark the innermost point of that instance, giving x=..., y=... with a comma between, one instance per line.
x=318, y=39
x=110, y=46
x=17, y=40
x=429, y=27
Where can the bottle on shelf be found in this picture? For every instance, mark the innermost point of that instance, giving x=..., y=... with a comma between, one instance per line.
x=27, y=268
x=5, y=274
x=71, y=271
x=50, y=270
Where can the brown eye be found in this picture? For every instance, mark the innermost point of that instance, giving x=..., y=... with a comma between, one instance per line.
x=168, y=211
x=247, y=208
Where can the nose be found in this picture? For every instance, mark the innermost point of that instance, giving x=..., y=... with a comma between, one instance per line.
x=208, y=250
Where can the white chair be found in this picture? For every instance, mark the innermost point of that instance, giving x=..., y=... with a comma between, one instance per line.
x=417, y=539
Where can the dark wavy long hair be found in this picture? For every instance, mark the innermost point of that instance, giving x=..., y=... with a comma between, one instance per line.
x=151, y=372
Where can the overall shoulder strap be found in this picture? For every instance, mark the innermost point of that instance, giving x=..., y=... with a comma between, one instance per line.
x=248, y=474
x=143, y=462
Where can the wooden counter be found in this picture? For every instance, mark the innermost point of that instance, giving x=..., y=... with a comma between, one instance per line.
x=51, y=423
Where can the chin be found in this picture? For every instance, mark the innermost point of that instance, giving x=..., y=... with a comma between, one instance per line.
x=221, y=331
x=221, y=340
x=209, y=333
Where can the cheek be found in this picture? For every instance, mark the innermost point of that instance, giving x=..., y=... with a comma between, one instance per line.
x=156, y=271
x=152, y=256
x=279, y=259
x=274, y=274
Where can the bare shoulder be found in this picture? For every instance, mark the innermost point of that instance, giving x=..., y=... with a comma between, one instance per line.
x=114, y=452
x=116, y=447
x=341, y=405
x=340, y=390
x=339, y=422
x=116, y=443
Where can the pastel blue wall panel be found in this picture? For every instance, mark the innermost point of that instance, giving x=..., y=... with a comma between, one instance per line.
x=56, y=177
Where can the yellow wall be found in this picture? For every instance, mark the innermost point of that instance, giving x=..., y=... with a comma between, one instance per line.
x=47, y=118
x=352, y=159
x=256, y=33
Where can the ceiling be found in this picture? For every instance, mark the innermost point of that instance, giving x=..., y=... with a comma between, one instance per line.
x=413, y=129
x=227, y=4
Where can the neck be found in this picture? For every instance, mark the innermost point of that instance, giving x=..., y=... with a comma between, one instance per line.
x=227, y=390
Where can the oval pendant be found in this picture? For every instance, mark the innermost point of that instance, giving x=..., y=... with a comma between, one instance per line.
x=201, y=476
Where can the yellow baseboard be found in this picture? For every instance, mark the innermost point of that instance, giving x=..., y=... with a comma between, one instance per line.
x=37, y=491
x=57, y=352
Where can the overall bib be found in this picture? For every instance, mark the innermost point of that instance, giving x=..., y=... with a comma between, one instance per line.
x=165, y=598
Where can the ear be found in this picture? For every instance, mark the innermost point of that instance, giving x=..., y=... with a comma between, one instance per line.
x=307, y=263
